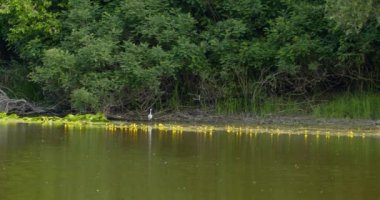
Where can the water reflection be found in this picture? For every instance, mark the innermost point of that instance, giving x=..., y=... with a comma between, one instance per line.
x=150, y=141
x=93, y=163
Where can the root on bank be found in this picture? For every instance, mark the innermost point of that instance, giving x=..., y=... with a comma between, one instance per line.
x=17, y=106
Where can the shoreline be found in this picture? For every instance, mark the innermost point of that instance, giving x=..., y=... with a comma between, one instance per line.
x=207, y=118
x=243, y=119
x=237, y=125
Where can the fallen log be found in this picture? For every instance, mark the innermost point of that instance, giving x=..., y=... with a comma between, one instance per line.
x=17, y=106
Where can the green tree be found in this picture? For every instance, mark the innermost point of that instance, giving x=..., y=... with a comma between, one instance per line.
x=28, y=25
x=135, y=54
x=116, y=62
x=352, y=15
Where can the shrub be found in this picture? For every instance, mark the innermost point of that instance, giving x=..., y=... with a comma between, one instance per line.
x=84, y=101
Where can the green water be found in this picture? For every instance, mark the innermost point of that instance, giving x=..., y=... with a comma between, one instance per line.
x=49, y=163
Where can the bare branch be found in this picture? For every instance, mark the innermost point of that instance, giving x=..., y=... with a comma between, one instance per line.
x=18, y=106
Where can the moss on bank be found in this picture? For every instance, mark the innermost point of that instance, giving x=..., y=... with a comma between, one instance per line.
x=98, y=117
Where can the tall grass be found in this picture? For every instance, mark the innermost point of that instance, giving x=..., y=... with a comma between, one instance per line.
x=232, y=106
x=281, y=106
x=354, y=106
x=264, y=107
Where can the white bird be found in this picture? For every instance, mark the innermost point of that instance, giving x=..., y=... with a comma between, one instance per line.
x=150, y=116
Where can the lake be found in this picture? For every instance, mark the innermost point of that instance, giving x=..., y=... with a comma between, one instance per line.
x=53, y=162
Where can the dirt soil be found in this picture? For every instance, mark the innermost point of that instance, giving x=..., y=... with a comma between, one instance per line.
x=202, y=117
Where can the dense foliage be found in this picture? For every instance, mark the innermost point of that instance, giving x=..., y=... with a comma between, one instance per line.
x=114, y=55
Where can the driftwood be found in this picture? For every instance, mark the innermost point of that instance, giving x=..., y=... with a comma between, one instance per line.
x=17, y=106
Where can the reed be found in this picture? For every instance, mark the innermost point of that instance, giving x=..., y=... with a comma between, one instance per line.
x=354, y=106
x=267, y=106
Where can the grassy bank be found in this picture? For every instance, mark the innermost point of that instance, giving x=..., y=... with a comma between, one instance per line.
x=269, y=106
x=353, y=106
x=76, y=123
x=347, y=106
x=98, y=117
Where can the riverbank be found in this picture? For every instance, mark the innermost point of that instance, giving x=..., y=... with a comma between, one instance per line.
x=201, y=117
x=204, y=117
x=177, y=123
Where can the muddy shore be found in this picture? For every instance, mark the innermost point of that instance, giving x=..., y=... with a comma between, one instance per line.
x=200, y=117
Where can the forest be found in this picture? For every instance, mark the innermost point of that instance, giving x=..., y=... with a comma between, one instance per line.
x=320, y=57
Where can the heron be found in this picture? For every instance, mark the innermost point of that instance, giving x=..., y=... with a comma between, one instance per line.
x=150, y=116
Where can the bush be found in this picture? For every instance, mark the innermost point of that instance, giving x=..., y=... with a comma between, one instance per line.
x=84, y=101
